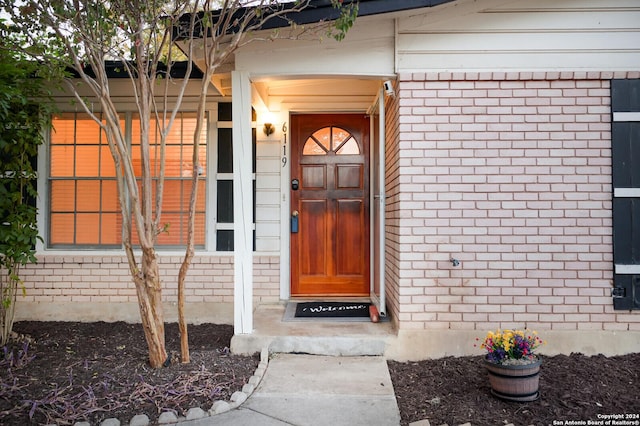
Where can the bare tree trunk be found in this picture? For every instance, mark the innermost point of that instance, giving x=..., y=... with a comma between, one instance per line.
x=189, y=252
x=146, y=274
x=185, y=356
x=150, y=302
x=182, y=323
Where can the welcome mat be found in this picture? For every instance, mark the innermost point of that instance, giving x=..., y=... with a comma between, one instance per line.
x=322, y=311
x=332, y=310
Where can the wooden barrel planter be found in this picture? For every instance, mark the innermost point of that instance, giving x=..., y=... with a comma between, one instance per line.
x=514, y=382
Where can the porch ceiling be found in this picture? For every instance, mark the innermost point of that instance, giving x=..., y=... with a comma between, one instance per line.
x=306, y=93
x=317, y=94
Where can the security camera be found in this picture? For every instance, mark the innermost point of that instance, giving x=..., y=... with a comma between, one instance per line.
x=388, y=88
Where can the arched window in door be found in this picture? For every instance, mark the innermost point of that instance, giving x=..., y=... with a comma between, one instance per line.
x=331, y=141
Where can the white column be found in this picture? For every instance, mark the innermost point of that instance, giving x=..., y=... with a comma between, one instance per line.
x=242, y=204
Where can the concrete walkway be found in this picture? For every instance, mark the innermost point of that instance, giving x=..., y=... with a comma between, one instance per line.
x=307, y=390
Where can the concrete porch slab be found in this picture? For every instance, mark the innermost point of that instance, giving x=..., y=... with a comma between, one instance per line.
x=312, y=337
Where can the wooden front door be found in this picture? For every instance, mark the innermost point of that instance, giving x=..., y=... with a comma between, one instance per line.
x=330, y=205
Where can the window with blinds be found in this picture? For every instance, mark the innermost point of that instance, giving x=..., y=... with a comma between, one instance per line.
x=84, y=210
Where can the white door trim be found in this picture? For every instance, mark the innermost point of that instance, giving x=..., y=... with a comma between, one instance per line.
x=285, y=209
x=377, y=203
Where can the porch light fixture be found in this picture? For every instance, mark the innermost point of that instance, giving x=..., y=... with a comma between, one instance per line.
x=268, y=129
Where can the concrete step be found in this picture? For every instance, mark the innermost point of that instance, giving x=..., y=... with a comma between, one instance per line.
x=312, y=337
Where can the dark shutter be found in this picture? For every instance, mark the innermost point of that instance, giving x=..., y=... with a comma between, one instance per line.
x=625, y=134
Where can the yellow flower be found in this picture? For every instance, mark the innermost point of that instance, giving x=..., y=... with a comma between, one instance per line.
x=511, y=344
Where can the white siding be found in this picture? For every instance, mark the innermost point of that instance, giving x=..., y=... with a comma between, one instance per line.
x=366, y=50
x=122, y=95
x=521, y=35
x=268, y=168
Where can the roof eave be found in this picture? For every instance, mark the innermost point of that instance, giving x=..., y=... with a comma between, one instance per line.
x=323, y=10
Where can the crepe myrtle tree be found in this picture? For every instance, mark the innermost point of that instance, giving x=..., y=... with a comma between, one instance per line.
x=81, y=35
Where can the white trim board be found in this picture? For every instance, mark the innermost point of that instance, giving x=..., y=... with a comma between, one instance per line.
x=627, y=269
x=626, y=192
x=626, y=116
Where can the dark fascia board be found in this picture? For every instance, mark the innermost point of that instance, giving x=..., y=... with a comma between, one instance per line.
x=322, y=10
x=317, y=11
x=116, y=69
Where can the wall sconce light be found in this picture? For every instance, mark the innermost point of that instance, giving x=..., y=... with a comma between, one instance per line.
x=268, y=129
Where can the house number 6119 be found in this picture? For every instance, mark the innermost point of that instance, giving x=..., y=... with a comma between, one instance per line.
x=284, y=146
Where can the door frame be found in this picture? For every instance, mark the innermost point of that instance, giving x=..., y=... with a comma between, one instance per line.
x=285, y=203
x=377, y=203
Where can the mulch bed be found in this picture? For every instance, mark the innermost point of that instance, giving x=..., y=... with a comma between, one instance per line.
x=64, y=372
x=579, y=388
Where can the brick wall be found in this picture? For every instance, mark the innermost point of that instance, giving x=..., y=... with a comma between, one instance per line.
x=511, y=174
x=100, y=279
